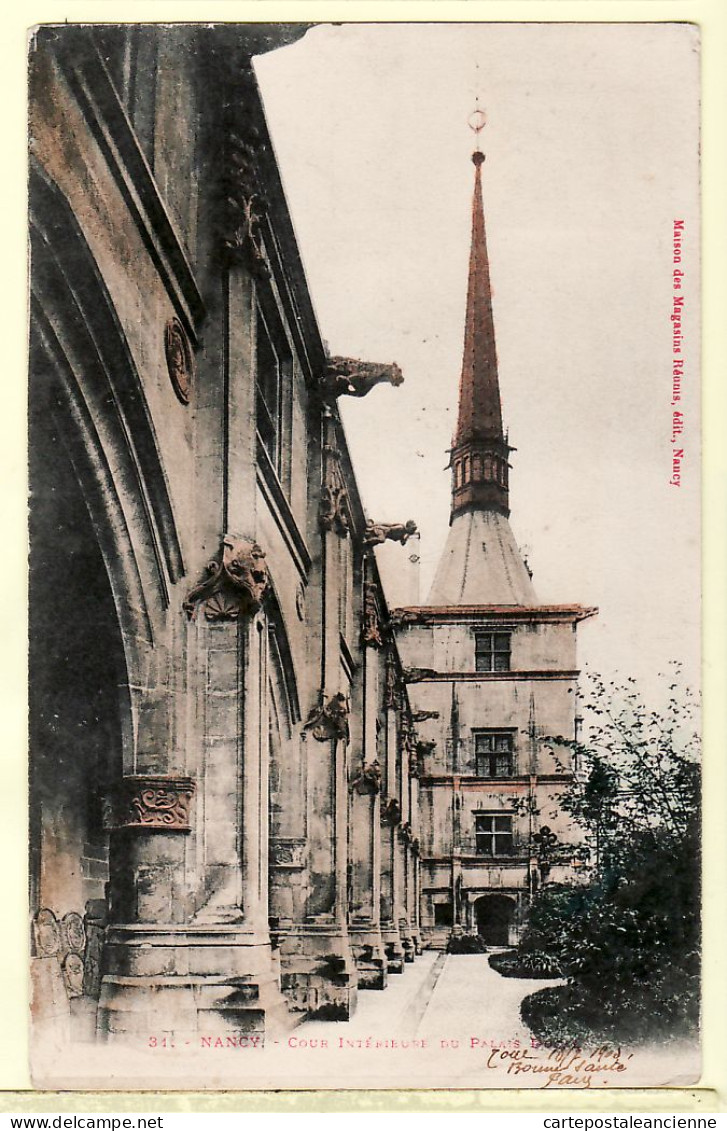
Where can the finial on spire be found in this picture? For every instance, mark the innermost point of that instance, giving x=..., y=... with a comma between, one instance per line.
x=477, y=122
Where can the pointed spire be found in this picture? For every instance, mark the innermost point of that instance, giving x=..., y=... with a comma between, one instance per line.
x=480, y=448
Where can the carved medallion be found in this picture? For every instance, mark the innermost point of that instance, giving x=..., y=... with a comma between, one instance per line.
x=47, y=934
x=73, y=932
x=180, y=359
x=236, y=584
x=156, y=803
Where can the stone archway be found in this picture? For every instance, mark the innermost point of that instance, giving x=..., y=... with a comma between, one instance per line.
x=80, y=717
x=495, y=916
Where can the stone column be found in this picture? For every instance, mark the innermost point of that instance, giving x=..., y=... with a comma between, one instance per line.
x=365, y=912
x=390, y=819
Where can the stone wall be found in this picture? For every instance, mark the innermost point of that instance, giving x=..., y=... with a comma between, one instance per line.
x=223, y=789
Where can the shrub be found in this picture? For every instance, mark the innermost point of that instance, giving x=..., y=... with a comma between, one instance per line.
x=466, y=944
x=515, y=964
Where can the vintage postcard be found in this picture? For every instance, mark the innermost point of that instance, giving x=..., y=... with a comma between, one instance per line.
x=365, y=541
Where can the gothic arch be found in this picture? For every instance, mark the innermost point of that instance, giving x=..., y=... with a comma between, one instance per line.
x=83, y=373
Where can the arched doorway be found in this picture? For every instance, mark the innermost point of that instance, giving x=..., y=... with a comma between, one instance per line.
x=79, y=697
x=495, y=915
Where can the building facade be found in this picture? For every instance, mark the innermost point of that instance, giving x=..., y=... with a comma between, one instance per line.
x=224, y=810
x=255, y=790
x=491, y=674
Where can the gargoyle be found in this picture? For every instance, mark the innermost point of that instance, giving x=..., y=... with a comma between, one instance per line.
x=236, y=583
x=349, y=377
x=421, y=716
x=377, y=533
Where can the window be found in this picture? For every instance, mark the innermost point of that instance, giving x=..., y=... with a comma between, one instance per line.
x=273, y=385
x=493, y=834
x=492, y=651
x=494, y=754
x=268, y=391
x=443, y=915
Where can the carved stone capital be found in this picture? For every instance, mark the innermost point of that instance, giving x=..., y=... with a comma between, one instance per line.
x=155, y=802
x=329, y=721
x=287, y=852
x=236, y=583
x=369, y=779
x=349, y=377
x=371, y=628
x=376, y=533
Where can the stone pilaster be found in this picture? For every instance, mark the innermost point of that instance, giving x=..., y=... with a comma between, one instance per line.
x=318, y=969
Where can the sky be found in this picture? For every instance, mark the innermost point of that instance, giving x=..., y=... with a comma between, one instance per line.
x=591, y=152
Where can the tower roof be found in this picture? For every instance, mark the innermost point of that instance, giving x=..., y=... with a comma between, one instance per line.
x=481, y=563
x=480, y=412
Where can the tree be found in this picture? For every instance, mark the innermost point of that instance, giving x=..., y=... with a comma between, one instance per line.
x=627, y=940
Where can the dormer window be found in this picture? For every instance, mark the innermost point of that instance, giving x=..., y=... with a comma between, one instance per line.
x=492, y=651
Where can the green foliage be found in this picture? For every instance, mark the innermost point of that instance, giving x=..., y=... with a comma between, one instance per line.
x=466, y=944
x=627, y=940
x=524, y=964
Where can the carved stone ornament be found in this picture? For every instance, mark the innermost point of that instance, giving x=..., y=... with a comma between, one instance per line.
x=244, y=205
x=376, y=533
x=391, y=813
x=422, y=716
x=405, y=834
x=425, y=749
x=371, y=628
x=287, y=852
x=180, y=359
x=416, y=675
x=73, y=932
x=72, y=967
x=369, y=779
x=329, y=721
x=46, y=934
x=414, y=763
x=300, y=601
x=334, y=511
x=349, y=377
x=236, y=584
x=390, y=689
x=152, y=802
